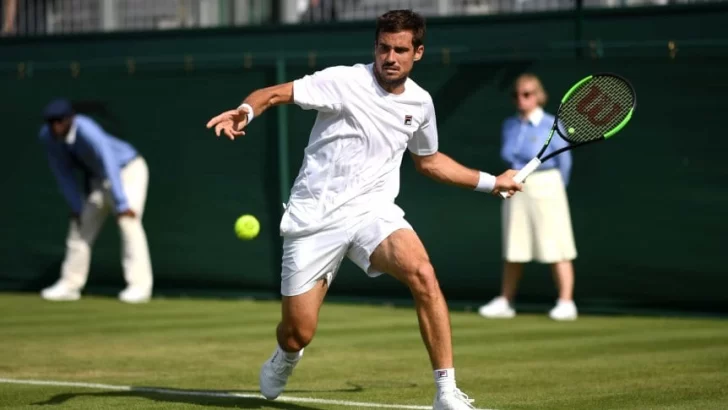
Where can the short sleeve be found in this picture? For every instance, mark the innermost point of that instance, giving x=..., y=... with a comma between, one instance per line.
x=425, y=140
x=319, y=91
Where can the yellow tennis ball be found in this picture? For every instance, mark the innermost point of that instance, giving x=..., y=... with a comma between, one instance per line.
x=247, y=227
x=571, y=130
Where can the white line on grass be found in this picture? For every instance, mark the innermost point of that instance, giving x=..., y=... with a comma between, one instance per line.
x=290, y=399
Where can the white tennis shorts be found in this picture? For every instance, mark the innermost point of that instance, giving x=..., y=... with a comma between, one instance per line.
x=536, y=223
x=309, y=258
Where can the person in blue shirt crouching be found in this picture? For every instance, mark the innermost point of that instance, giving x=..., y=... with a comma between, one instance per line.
x=116, y=180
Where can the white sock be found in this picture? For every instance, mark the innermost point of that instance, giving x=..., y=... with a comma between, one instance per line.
x=445, y=379
x=290, y=356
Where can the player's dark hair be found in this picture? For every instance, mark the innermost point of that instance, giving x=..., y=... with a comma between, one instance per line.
x=395, y=21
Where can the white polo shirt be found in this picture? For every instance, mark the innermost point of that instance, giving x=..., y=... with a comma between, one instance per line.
x=351, y=164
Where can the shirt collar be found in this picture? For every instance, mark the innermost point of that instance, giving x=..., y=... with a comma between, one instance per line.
x=536, y=116
x=71, y=136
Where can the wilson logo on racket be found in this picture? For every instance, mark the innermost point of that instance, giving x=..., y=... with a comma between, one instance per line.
x=594, y=103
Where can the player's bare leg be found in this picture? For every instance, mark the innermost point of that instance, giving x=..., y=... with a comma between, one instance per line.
x=295, y=331
x=565, y=308
x=403, y=256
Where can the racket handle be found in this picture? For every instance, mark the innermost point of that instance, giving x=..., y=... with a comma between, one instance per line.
x=523, y=173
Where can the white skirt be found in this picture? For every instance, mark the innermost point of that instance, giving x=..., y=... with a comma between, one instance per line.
x=536, y=223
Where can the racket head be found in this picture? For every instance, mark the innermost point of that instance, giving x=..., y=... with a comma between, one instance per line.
x=596, y=108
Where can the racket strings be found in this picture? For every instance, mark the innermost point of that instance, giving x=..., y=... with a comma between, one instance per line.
x=594, y=109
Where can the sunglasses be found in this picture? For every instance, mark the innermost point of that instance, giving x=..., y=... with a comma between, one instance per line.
x=525, y=94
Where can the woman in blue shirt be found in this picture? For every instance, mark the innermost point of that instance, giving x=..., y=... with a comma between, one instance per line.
x=537, y=222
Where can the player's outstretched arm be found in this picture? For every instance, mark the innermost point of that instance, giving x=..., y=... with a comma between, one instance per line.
x=442, y=168
x=233, y=122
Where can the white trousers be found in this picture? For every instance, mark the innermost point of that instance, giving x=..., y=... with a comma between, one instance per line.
x=81, y=235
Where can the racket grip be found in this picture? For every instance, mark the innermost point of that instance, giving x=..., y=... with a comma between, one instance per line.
x=523, y=173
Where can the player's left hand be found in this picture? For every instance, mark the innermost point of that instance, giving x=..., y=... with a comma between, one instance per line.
x=505, y=183
x=230, y=122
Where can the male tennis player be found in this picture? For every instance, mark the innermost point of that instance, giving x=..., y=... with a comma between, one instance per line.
x=342, y=202
x=118, y=178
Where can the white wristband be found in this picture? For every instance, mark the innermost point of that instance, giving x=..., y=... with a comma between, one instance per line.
x=251, y=114
x=486, y=183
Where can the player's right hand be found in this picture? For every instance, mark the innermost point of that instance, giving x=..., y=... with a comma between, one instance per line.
x=230, y=122
x=505, y=183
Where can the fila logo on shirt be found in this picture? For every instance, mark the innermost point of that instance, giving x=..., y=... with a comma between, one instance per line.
x=407, y=120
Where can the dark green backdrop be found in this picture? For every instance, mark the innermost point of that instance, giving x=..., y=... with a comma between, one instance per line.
x=648, y=206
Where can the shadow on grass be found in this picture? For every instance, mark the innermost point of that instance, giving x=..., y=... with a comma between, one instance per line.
x=240, y=399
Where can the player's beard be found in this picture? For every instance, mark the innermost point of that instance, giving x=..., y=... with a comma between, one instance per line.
x=389, y=82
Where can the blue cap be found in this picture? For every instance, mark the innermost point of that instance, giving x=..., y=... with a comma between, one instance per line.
x=59, y=108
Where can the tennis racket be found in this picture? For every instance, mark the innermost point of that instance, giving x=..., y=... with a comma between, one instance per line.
x=594, y=109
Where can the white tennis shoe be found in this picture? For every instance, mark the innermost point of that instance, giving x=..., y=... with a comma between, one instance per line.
x=498, y=308
x=564, y=311
x=274, y=374
x=60, y=292
x=452, y=400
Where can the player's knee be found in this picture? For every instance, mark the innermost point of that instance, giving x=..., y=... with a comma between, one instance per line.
x=303, y=335
x=296, y=337
x=422, y=281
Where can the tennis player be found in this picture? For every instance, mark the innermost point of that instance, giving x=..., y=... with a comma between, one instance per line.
x=342, y=202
